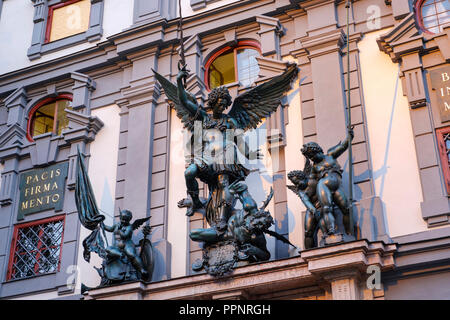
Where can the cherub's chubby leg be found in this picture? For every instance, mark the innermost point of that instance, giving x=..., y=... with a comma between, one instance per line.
x=326, y=200
x=135, y=260
x=341, y=201
x=310, y=227
x=190, y=175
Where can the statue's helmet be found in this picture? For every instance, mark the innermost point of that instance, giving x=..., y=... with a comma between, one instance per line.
x=216, y=93
x=126, y=215
x=310, y=149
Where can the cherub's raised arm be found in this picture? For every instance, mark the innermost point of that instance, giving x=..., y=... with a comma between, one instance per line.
x=336, y=151
x=107, y=228
x=182, y=95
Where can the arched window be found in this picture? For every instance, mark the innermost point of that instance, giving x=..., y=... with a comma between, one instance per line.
x=433, y=14
x=231, y=64
x=49, y=116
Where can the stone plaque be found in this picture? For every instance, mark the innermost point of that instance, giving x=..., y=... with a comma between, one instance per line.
x=440, y=81
x=42, y=189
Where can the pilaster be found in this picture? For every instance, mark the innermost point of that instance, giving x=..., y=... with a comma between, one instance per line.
x=406, y=45
x=143, y=138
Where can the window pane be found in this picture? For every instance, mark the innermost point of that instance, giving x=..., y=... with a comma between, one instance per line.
x=444, y=17
x=248, y=69
x=43, y=119
x=443, y=6
x=61, y=120
x=70, y=20
x=221, y=71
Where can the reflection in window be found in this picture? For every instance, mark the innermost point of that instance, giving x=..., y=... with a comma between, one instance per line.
x=50, y=117
x=233, y=64
x=435, y=13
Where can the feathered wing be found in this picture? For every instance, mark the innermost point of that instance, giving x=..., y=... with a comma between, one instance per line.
x=171, y=92
x=139, y=222
x=257, y=103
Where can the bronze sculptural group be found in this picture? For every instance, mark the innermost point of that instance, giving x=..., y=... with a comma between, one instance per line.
x=234, y=236
x=123, y=260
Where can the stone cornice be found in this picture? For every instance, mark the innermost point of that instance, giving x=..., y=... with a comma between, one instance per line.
x=404, y=38
x=323, y=43
x=311, y=269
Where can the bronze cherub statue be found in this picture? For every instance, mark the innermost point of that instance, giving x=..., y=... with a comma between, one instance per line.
x=319, y=186
x=123, y=260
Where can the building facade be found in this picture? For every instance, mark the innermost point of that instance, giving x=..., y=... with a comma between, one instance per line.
x=77, y=74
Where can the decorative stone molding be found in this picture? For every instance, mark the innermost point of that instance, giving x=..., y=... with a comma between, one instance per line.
x=200, y=4
x=443, y=40
x=270, y=33
x=400, y=8
x=39, y=47
x=16, y=103
x=342, y=268
x=82, y=90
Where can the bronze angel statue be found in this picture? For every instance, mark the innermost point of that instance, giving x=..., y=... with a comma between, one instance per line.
x=216, y=164
x=216, y=139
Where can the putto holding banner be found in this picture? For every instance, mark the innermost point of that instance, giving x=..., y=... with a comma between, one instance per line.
x=121, y=261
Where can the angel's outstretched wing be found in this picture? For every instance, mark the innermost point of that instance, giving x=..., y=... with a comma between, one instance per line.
x=257, y=103
x=139, y=222
x=172, y=94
